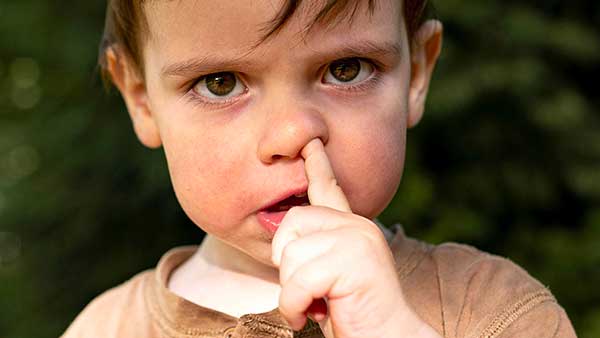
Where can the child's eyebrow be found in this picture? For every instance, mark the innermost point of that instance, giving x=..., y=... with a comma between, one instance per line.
x=212, y=63
x=202, y=65
x=364, y=48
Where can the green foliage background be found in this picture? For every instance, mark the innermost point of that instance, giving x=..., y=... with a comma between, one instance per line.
x=507, y=158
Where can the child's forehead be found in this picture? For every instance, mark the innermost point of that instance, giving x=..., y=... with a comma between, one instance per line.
x=183, y=29
x=266, y=12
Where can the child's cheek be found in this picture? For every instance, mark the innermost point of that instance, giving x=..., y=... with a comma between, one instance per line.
x=206, y=174
x=369, y=161
x=372, y=175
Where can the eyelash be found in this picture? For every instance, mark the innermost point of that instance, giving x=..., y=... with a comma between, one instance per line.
x=200, y=101
x=371, y=82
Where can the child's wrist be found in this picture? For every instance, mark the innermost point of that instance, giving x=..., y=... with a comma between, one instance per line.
x=405, y=323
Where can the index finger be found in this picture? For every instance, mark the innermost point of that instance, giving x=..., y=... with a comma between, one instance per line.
x=323, y=189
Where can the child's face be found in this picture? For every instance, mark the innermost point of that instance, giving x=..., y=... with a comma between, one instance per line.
x=232, y=155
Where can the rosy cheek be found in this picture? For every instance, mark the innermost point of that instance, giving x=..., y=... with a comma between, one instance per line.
x=380, y=181
x=212, y=179
x=370, y=167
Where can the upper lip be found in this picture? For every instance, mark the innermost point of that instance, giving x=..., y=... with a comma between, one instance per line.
x=284, y=196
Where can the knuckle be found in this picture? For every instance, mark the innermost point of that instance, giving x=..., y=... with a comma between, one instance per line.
x=304, y=279
x=294, y=212
x=372, y=231
x=285, y=305
x=291, y=297
x=308, y=278
x=363, y=241
x=290, y=252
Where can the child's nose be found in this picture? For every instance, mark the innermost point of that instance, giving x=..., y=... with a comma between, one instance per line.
x=287, y=132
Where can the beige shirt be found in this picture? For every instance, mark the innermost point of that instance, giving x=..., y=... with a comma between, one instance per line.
x=458, y=290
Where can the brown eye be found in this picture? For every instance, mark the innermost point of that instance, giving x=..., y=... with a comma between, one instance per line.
x=345, y=70
x=219, y=85
x=348, y=71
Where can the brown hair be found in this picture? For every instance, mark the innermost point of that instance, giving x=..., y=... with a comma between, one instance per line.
x=126, y=24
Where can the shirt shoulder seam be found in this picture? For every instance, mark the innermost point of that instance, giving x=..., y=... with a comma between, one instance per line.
x=525, y=304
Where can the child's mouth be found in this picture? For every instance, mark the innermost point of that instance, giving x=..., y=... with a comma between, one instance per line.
x=290, y=202
x=271, y=217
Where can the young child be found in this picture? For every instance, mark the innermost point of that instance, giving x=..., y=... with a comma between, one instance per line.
x=284, y=126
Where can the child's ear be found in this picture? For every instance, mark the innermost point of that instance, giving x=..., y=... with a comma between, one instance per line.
x=133, y=90
x=426, y=48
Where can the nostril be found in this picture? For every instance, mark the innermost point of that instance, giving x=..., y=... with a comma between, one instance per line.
x=276, y=157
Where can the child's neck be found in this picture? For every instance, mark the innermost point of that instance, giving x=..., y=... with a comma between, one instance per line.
x=229, y=259
x=225, y=279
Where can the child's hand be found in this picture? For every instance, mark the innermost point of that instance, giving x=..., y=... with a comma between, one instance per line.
x=324, y=251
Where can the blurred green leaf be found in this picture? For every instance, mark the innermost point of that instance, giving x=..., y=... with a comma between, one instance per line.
x=507, y=158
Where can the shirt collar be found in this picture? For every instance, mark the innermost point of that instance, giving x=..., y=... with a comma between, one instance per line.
x=178, y=316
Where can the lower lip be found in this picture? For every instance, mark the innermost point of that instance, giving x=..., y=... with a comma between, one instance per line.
x=271, y=220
